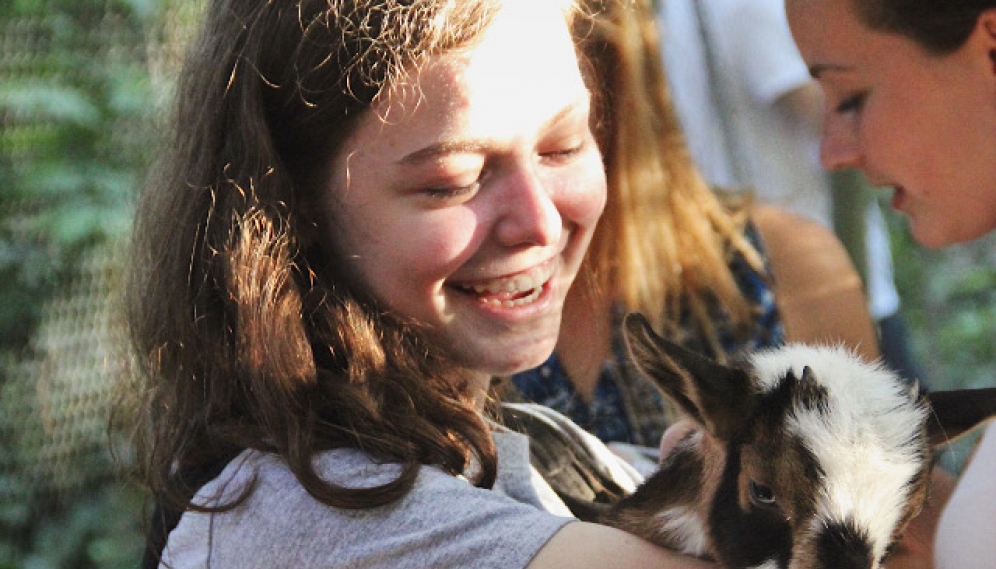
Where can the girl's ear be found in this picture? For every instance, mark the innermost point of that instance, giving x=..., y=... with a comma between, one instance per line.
x=988, y=23
x=987, y=28
x=306, y=224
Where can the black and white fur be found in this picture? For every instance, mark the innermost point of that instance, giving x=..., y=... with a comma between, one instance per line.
x=803, y=457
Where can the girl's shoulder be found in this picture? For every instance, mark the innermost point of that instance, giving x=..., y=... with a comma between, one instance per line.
x=444, y=521
x=818, y=290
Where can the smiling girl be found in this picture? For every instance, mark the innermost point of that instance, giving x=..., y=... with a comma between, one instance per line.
x=366, y=210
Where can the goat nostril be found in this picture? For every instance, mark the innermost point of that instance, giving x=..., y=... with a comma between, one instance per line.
x=843, y=546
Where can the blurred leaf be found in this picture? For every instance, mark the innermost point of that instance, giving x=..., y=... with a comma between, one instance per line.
x=39, y=101
x=144, y=9
x=53, y=179
x=72, y=224
x=131, y=91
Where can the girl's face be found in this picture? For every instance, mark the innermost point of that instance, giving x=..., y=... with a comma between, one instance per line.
x=468, y=195
x=922, y=124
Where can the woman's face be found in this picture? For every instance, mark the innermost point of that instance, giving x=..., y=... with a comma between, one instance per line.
x=468, y=195
x=922, y=124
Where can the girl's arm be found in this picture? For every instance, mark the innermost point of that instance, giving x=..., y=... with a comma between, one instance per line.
x=582, y=545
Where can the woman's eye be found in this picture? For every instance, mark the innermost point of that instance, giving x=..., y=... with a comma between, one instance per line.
x=761, y=495
x=852, y=103
x=452, y=193
x=565, y=153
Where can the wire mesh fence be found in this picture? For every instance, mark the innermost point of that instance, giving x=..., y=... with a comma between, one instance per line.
x=56, y=400
x=81, y=84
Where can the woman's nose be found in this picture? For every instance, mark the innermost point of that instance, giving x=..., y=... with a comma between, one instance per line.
x=839, y=146
x=529, y=213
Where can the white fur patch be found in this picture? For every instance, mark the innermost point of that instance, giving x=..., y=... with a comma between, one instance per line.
x=682, y=525
x=866, y=443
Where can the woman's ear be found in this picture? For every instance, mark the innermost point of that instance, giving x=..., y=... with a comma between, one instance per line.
x=306, y=225
x=988, y=22
x=984, y=37
x=987, y=25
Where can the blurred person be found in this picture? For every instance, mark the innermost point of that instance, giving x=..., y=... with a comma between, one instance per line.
x=751, y=115
x=911, y=100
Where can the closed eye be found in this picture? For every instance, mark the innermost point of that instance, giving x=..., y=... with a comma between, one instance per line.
x=565, y=154
x=852, y=103
x=452, y=193
x=569, y=150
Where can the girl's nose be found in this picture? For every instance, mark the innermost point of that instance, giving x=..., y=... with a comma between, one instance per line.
x=839, y=146
x=529, y=213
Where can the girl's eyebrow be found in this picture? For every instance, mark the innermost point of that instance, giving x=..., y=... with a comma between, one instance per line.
x=445, y=147
x=819, y=69
x=434, y=151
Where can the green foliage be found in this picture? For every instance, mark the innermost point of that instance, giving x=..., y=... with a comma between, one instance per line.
x=949, y=299
x=99, y=528
x=75, y=93
x=74, y=103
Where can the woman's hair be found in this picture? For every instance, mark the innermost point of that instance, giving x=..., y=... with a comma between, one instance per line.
x=940, y=26
x=246, y=336
x=665, y=240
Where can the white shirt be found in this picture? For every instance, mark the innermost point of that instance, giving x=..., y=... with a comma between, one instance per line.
x=966, y=533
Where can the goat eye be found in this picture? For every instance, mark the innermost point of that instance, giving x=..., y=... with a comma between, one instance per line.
x=761, y=495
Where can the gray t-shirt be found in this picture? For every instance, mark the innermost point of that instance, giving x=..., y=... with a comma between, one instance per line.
x=444, y=522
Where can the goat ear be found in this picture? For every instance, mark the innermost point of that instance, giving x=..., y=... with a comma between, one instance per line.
x=955, y=412
x=718, y=397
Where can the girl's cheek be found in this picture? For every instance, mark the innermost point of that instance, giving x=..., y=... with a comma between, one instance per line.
x=580, y=198
x=447, y=239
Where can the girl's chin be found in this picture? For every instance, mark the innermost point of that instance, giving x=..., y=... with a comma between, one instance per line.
x=940, y=239
x=533, y=357
x=933, y=236
x=497, y=358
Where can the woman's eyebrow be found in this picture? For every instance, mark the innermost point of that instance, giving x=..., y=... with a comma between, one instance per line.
x=819, y=69
x=443, y=148
x=446, y=147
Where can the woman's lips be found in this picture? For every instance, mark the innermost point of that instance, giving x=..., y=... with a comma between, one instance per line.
x=509, y=292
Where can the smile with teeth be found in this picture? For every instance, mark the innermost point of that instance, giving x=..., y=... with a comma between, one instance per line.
x=512, y=291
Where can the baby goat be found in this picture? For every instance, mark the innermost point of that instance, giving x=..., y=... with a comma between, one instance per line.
x=805, y=458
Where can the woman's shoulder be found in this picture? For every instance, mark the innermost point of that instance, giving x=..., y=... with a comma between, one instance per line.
x=818, y=290
x=444, y=521
x=777, y=223
x=801, y=248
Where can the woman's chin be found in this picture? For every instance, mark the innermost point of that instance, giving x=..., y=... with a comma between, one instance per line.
x=934, y=235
